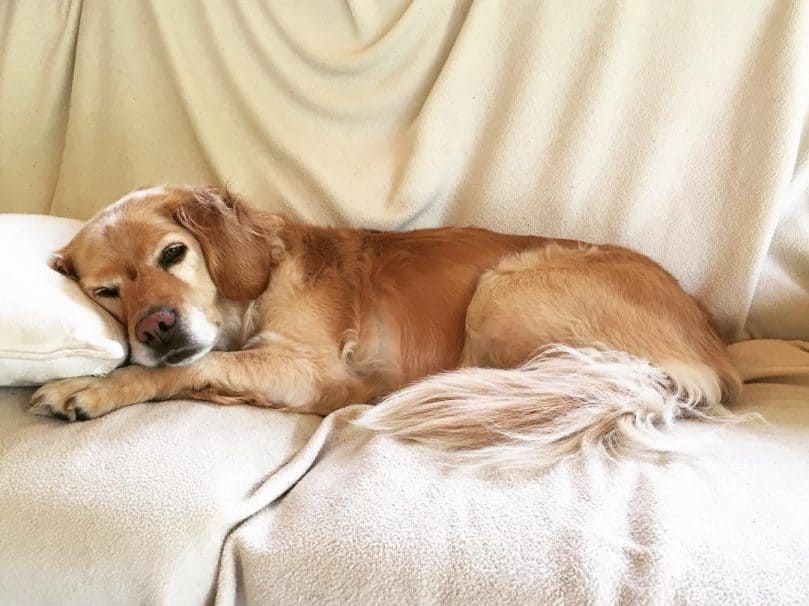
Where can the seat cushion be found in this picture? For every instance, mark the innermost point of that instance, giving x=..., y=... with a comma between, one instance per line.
x=378, y=522
x=133, y=507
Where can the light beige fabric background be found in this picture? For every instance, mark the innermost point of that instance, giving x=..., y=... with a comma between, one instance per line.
x=677, y=128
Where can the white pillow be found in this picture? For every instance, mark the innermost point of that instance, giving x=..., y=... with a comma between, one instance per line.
x=48, y=328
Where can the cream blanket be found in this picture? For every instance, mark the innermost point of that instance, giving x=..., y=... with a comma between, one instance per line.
x=727, y=527
x=679, y=129
x=134, y=508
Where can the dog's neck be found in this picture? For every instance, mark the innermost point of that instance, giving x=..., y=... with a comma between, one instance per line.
x=298, y=253
x=236, y=326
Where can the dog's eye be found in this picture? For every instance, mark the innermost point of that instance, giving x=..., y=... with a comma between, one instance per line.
x=107, y=293
x=172, y=254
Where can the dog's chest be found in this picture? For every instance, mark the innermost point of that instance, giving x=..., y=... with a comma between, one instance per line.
x=293, y=309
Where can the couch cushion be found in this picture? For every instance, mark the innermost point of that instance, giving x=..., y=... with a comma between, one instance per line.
x=378, y=522
x=131, y=508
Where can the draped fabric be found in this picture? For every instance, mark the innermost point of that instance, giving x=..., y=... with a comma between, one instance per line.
x=679, y=129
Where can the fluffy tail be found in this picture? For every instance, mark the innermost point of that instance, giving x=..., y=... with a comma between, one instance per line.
x=563, y=400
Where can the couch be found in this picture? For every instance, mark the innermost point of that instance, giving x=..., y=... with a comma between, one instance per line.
x=678, y=129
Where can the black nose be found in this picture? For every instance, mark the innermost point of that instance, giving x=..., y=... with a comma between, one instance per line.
x=156, y=326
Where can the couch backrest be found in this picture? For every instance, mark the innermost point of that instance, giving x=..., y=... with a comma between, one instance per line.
x=678, y=129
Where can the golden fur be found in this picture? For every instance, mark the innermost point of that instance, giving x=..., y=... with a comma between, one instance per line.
x=311, y=319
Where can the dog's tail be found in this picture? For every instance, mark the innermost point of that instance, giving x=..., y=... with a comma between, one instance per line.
x=565, y=399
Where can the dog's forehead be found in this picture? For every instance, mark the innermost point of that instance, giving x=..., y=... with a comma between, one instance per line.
x=131, y=229
x=125, y=234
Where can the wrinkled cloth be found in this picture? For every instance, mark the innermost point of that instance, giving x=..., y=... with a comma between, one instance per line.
x=679, y=129
x=191, y=503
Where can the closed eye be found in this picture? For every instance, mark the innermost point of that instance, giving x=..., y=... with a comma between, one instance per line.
x=106, y=292
x=172, y=254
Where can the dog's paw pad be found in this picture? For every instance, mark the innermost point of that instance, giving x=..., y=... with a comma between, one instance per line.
x=46, y=410
x=81, y=414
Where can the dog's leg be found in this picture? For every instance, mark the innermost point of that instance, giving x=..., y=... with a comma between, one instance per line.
x=273, y=378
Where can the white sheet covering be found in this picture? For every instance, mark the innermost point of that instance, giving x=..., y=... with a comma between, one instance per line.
x=676, y=128
x=135, y=507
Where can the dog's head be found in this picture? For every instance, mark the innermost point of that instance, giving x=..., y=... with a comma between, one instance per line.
x=168, y=262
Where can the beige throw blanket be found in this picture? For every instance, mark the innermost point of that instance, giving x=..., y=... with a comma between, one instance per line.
x=135, y=508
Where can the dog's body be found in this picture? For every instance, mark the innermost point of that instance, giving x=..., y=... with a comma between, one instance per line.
x=227, y=304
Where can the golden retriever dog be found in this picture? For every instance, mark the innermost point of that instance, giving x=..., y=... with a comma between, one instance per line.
x=494, y=348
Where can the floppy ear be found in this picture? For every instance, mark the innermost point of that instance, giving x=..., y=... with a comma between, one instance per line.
x=62, y=262
x=241, y=245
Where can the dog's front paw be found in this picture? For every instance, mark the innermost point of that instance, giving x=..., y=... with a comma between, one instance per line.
x=68, y=399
